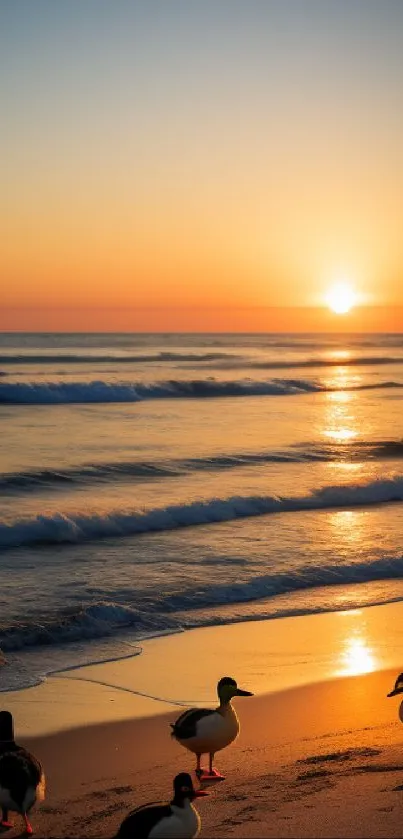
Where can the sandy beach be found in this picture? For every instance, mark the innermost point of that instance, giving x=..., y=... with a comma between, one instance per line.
x=320, y=758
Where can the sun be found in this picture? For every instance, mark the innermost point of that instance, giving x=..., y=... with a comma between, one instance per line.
x=341, y=298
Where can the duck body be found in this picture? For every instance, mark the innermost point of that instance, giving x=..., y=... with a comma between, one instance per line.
x=204, y=731
x=22, y=780
x=161, y=821
x=20, y=777
x=177, y=820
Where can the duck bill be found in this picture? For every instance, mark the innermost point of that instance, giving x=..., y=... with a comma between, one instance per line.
x=243, y=692
x=395, y=692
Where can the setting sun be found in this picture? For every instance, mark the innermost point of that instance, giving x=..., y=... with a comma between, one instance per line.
x=341, y=298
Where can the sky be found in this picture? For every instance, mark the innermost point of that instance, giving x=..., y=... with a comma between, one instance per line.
x=200, y=164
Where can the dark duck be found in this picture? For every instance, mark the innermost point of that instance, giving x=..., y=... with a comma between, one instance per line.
x=22, y=781
x=398, y=689
x=204, y=731
x=179, y=819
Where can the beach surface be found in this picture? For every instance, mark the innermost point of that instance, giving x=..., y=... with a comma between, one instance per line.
x=320, y=753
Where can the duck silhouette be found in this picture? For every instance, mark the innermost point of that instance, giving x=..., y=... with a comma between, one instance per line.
x=22, y=780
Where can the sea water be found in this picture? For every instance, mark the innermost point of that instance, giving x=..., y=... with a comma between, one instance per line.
x=154, y=483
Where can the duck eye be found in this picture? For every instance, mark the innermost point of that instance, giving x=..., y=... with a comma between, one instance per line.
x=185, y=789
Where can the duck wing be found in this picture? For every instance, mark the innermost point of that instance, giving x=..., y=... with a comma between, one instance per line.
x=141, y=821
x=18, y=763
x=13, y=767
x=34, y=767
x=185, y=725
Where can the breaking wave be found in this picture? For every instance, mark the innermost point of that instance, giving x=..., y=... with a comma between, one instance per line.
x=83, y=624
x=77, y=528
x=54, y=393
x=172, y=612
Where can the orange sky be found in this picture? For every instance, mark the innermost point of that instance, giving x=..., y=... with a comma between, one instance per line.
x=220, y=319
x=205, y=166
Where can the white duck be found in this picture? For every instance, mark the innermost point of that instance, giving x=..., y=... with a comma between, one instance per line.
x=207, y=731
x=22, y=780
x=179, y=819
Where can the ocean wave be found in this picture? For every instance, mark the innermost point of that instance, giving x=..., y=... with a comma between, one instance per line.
x=166, y=613
x=38, y=393
x=84, y=624
x=105, y=358
x=306, y=363
x=89, y=473
x=56, y=393
x=278, y=583
x=325, y=341
x=77, y=528
x=222, y=360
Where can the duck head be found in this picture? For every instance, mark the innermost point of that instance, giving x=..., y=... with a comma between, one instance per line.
x=227, y=688
x=6, y=727
x=398, y=688
x=184, y=790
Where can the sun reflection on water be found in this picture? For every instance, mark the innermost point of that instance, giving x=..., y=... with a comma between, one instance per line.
x=342, y=379
x=350, y=528
x=341, y=435
x=340, y=420
x=339, y=355
x=339, y=396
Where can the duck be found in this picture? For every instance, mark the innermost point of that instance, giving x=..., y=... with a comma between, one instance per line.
x=398, y=688
x=22, y=780
x=179, y=819
x=207, y=731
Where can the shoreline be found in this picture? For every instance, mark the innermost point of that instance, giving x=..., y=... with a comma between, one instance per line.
x=264, y=656
x=320, y=750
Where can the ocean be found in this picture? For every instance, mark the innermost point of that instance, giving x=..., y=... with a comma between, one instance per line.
x=154, y=483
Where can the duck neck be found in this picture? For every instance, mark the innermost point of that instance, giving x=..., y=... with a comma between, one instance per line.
x=179, y=801
x=225, y=707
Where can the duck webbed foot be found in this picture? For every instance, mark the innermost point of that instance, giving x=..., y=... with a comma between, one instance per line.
x=4, y=819
x=28, y=826
x=210, y=775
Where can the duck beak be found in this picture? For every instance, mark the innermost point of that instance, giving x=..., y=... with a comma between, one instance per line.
x=240, y=692
x=395, y=692
x=199, y=793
